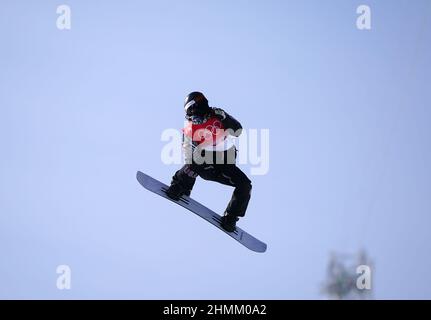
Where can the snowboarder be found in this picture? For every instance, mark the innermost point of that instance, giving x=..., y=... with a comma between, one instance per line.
x=210, y=153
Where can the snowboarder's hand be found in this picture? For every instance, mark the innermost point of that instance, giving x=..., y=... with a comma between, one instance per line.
x=219, y=113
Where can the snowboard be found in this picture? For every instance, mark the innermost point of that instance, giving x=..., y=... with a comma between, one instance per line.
x=239, y=235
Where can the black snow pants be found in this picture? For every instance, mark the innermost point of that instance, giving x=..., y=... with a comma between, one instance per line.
x=227, y=174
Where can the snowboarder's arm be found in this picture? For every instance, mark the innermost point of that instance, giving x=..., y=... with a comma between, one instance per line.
x=188, y=149
x=229, y=122
x=191, y=151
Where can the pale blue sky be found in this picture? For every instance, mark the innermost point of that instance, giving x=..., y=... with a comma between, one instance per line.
x=82, y=110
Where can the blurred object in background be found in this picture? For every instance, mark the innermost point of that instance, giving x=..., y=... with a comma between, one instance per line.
x=349, y=277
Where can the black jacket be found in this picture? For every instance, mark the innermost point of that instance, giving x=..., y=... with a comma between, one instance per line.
x=234, y=128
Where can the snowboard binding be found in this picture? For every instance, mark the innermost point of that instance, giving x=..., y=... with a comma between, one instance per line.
x=228, y=222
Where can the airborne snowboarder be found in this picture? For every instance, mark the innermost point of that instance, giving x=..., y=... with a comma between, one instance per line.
x=210, y=153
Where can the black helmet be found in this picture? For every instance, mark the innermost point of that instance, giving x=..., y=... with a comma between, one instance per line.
x=196, y=104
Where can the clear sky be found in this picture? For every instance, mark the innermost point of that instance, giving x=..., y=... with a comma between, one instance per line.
x=82, y=110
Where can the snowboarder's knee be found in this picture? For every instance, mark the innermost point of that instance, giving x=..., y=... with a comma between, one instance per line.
x=245, y=187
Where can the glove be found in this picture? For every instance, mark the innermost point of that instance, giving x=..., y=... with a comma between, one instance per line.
x=219, y=113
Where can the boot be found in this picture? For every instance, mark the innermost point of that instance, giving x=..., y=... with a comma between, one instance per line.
x=176, y=191
x=228, y=222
